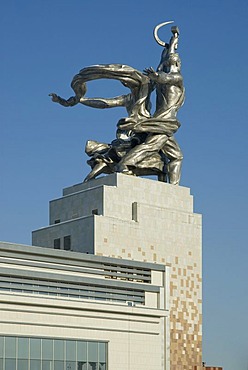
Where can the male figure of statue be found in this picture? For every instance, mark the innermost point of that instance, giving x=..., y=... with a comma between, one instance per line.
x=161, y=127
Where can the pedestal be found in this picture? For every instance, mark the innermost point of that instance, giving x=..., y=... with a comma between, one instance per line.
x=141, y=219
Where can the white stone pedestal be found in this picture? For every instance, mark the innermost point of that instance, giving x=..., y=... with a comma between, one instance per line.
x=134, y=218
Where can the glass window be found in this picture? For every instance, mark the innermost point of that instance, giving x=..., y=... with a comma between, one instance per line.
x=22, y=364
x=92, y=366
x=56, y=243
x=47, y=349
x=70, y=365
x=82, y=351
x=1, y=346
x=102, y=366
x=58, y=365
x=58, y=349
x=35, y=348
x=10, y=347
x=82, y=365
x=46, y=365
x=92, y=352
x=70, y=350
x=102, y=352
x=23, y=350
x=51, y=354
x=35, y=364
x=10, y=364
x=67, y=242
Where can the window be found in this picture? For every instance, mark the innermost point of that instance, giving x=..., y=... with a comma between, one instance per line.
x=45, y=354
x=56, y=243
x=47, y=349
x=22, y=364
x=135, y=211
x=1, y=347
x=23, y=348
x=82, y=353
x=35, y=348
x=102, y=352
x=82, y=365
x=58, y=349
x=71, y=350
x=10, y=364
x=67, y=242
x=10, y=347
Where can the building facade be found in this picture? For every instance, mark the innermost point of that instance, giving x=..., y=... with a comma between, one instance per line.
x=71, y=311
x=123, y=255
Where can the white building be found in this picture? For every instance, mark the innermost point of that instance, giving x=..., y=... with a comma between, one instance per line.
x=117, y=284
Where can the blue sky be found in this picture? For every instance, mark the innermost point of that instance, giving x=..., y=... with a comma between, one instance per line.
x=45, y=43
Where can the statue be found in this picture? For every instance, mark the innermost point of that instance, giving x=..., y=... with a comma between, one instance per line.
x=145, y=143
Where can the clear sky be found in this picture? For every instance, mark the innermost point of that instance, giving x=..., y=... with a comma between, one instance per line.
x=44, y=43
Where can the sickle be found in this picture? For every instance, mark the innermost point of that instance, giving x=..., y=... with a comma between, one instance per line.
x=155, y=32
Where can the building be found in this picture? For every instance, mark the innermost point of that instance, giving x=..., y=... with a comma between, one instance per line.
x=116, y=284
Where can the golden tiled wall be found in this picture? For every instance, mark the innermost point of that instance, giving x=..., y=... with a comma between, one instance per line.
x=185, y=305
x=186, y=317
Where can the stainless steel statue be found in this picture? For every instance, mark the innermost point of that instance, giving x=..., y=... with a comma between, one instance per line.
x=145, y=143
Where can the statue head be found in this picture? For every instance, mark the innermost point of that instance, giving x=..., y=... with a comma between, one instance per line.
x=168, y=61
x=173, y=59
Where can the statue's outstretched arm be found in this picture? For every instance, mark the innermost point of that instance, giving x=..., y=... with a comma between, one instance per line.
x=66, y=103
x=101, y=103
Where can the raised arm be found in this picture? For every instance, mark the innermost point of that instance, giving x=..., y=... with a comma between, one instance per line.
x=102, y=103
